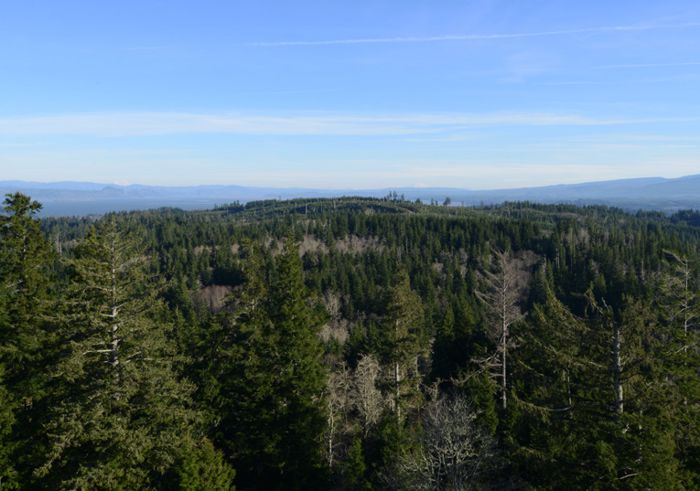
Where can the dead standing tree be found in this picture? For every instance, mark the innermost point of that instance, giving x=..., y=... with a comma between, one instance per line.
x=452, y=450
x=367, y=399
x=683, y=297
x=338, y=403
x=502, y=285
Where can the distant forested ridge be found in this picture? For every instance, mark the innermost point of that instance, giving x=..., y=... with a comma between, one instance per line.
x=85, y=198
x=350, y=344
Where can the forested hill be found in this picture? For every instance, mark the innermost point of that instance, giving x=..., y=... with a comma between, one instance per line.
x=85, y=198
x=350, y=344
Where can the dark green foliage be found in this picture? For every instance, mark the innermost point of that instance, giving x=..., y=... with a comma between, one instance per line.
x=401, y=343
x=551, y=397
x=25, y=262
x=225, y=351
x=8, y=475
x=271, y=396
x=120, y=415
x=354, y=471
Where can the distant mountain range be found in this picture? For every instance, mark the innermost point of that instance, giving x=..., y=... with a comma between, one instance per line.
x=86, y=198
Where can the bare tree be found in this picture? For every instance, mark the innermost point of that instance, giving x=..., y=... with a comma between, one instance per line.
x=501, y=291
x=336, y=329
x=367, y=400
x=338, y=403
x=684, y=298
x=452, y=451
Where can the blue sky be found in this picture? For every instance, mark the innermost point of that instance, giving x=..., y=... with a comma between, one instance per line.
x=473, y=94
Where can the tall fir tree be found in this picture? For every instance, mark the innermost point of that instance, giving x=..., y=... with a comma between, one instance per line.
x=678, y=310
x=547, y=440
x=401, y=343
x=122, y=419
x=24, y=331
x=273, y=408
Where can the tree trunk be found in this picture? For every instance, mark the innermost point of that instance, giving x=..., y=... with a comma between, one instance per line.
x=331, y=434
x=686, y=296
x=397, y=379
x=617, y=368
x=397, y=390
x=114, y=337
x=504, y=346
x=504, y=384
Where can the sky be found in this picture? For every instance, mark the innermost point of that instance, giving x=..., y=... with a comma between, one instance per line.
x=349, y=94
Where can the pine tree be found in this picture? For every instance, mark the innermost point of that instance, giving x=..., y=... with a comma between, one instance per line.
x=121, y=416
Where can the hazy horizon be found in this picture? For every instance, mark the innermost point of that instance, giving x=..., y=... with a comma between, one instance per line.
x=335, y=187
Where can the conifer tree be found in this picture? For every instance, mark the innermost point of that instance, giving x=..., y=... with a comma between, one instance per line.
x=562, y=405
x=203, y=468
x=626, y=399
x=24, y=339
x=121, y=416
x=273, y=411
x=401, y=342
x=24, y=267
x=645, y=445
x=7, y=471
x=8, y=474
x=444, y=346
x=678, y=308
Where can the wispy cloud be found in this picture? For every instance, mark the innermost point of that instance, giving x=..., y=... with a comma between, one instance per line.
x=688, y=77
x=475, y=37
x=166, y=123
x=650, y=65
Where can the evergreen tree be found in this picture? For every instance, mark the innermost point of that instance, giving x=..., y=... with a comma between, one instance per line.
x=602, y=375
x=627, y=397
x=121, y=416
x=24, y=339
x=401, y=342
x=355, y=468
x=8, y=474
x=203, y=468
x=550, y=372
x=444, y=347
x=24, y=258
x=646, y=448
x=273, y=410
x=678, y=310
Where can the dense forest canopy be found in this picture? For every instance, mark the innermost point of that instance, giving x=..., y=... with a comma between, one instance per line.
x=350, y=344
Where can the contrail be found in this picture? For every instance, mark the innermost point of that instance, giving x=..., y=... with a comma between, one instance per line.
x=474, y=37
x=651, y=65
x=156, y=123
